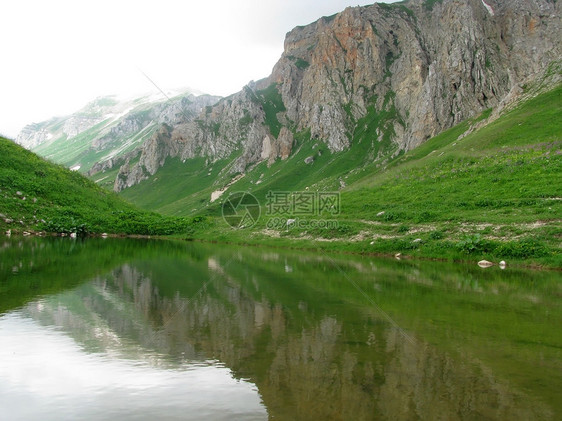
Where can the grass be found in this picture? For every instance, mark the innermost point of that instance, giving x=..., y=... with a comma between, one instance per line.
x=179, y=188
x=272, y=103
x=36, y=195
x=398, y=6
x=429, y=4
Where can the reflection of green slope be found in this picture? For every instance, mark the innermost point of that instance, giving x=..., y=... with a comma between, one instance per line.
x=34, y=267
x=175, y=275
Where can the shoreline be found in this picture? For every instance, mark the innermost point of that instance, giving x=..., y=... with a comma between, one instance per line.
x=295, y=246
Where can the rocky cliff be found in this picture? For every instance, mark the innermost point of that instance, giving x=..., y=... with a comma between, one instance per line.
x=412, y=69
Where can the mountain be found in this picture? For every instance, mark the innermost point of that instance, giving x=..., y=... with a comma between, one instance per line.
x=109, y=130
x=37, y=195
x=480, y=190
x=436, y=122
x=361, y=87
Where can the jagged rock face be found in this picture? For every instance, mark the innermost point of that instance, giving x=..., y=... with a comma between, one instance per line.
x=154, y=155
x=129, y=125
x=435, y=67
x=171, y=112
x=232, y=123
x=114, y=162
x=273, y=148
x=36, y=134
x=414, y=68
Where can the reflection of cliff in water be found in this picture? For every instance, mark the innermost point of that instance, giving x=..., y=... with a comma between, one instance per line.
x=308, y=363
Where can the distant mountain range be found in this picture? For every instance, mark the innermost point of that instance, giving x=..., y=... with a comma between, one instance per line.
x=109, y=129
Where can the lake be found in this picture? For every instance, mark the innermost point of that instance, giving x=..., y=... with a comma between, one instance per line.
x=144, y=329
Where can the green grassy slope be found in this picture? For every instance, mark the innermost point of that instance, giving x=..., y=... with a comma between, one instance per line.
x=512, y=164
x=185, y=188
x=78, y=150
x=38, y=195
x=178, y=188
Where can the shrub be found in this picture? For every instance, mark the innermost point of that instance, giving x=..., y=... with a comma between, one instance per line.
x=65, y=224
x=472, y=244
x=525, y=248
x=391, y=216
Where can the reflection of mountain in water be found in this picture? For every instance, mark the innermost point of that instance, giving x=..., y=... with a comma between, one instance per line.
x=312, y=357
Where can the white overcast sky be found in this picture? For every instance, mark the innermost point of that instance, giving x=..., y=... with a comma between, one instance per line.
x=57, y=55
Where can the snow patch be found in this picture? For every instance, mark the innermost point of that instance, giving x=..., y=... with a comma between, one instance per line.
x=488, y=8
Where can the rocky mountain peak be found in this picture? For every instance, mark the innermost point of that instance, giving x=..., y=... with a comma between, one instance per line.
x=406, y=70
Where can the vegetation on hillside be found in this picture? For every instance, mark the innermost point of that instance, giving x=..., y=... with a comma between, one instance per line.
x=36, y=195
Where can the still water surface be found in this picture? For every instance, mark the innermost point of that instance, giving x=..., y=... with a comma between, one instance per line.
x=139, y=329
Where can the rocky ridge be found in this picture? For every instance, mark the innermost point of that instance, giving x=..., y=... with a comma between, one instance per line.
x=413, y=68
x=109, y=129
